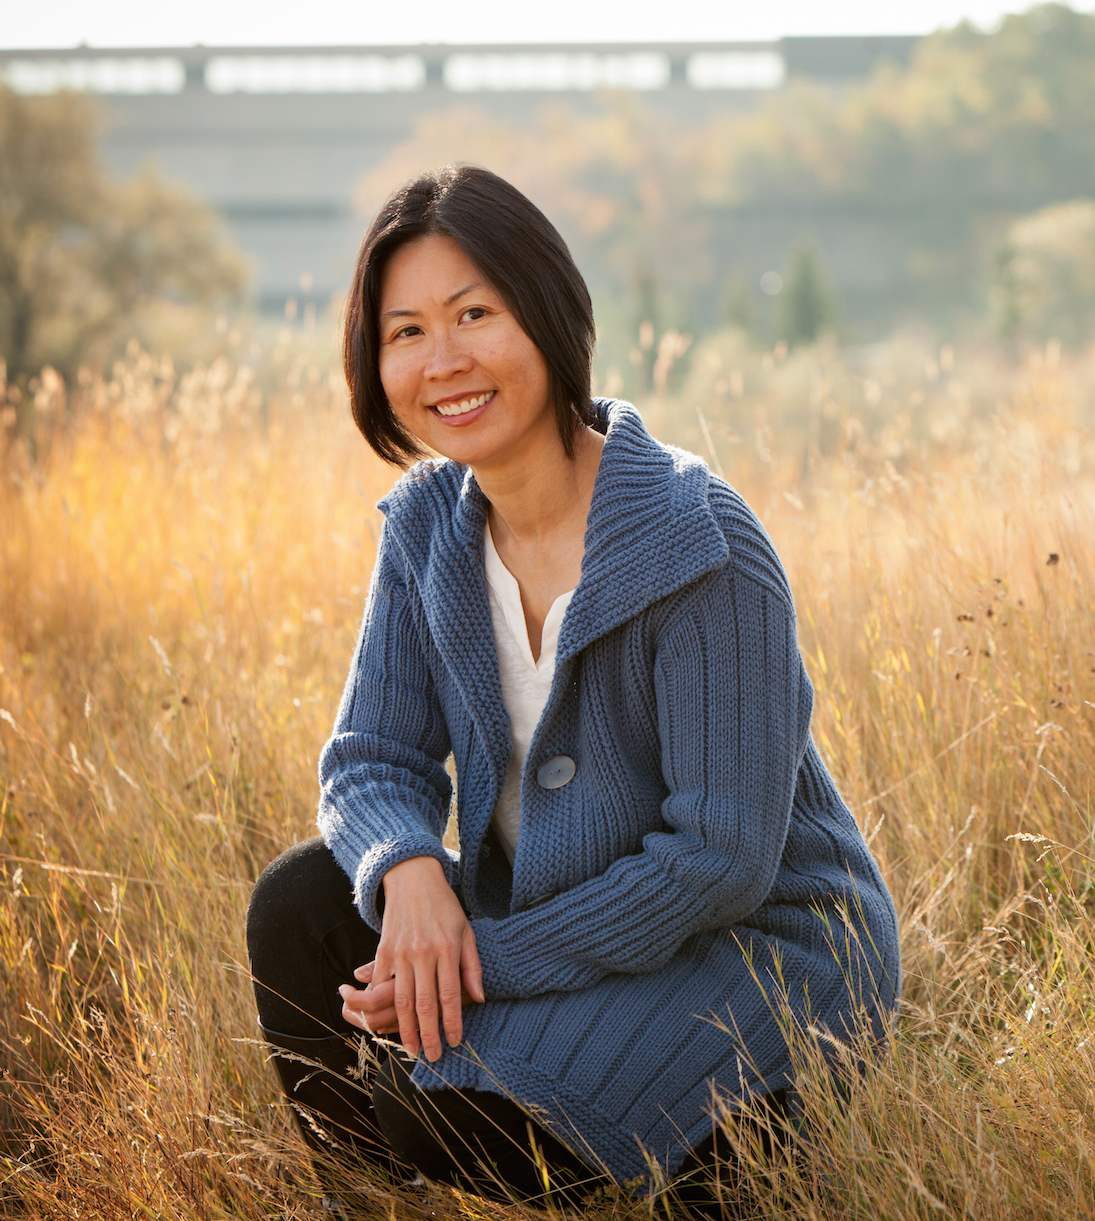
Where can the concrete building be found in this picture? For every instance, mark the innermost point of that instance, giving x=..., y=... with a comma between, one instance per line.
x=277, y=139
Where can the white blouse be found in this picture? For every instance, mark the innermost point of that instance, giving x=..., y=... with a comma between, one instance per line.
x=526, y=684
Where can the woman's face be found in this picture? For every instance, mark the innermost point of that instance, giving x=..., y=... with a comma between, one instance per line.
x=460, y=374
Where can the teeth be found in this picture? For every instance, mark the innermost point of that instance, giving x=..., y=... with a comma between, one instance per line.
x=464, y=407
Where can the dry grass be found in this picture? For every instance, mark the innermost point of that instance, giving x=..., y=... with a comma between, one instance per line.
x=181, y=575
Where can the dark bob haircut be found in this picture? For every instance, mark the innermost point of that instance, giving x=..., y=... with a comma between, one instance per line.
x=520, y=254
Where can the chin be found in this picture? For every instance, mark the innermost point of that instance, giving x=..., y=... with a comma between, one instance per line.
x=469, y=450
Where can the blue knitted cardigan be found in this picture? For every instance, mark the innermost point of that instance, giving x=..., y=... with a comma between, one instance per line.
x=696, y=882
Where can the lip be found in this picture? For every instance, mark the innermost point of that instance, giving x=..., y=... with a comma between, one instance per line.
x=458, y=421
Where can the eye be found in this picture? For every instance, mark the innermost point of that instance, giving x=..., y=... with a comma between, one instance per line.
x=474, y=313
x=405, y=332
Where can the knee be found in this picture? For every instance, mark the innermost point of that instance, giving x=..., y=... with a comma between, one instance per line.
x=288, y=890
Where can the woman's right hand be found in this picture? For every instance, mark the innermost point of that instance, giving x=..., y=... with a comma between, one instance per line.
x=426, y=955
x=373, y=1005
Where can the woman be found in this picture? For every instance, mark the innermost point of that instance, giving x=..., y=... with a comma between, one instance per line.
x=599, y=631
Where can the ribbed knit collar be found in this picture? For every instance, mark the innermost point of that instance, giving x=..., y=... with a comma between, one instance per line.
x=650, y=531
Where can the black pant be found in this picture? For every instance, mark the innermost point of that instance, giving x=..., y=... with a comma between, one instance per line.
x=305, y=937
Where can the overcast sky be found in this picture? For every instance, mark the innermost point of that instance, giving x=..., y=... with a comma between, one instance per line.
x=153, y=23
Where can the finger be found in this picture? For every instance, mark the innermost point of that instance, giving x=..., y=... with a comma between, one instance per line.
x=364, y=974
x=382, y=1021
x=351, y=996
x=471, y=972
x=406, y=1016
x=448, y=994
x=386, y=990
x=381, y=1014
x=351, y=1013
x=379, y=997
x=427, y=1011
x=384, y=963
x=372, y=1007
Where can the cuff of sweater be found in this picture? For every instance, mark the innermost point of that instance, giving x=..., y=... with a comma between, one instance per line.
x=497, y=965
x=384, y=856
x=514, y=970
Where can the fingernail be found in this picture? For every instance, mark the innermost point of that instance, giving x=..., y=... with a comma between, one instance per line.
x=343, y=989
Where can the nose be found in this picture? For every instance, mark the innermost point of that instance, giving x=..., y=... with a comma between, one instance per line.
x=448, y=356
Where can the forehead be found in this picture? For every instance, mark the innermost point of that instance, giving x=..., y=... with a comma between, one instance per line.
x=426, y=270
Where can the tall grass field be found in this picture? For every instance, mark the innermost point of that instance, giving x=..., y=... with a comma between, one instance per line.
x=183, y=566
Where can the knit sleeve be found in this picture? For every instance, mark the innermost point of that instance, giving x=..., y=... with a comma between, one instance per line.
x=384, y=791
x=733, y=705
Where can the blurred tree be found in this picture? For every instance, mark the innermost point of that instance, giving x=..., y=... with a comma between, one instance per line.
x=1045, y=281
x=617, y=183
x=81, y=255
x=648, y=325
x=739, y=304
x=1004, y=295
x=907, y=181
x=805, y=305
x=913, y=175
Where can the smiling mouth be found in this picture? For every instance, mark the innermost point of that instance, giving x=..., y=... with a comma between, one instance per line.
x=466, y=405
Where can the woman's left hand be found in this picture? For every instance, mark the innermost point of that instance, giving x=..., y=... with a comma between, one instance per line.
x=371, y=1007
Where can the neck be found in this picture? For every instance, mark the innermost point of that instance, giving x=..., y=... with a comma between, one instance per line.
x=538, y=494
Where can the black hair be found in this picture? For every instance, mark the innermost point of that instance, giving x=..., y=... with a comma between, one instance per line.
x=521, y=255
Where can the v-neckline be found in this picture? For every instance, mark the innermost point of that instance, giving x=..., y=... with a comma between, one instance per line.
x=508, y=588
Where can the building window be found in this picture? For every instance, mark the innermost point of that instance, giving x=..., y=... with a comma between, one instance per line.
x=133, y=74
x=555, y=71
x=736, y=70
x=314, y=73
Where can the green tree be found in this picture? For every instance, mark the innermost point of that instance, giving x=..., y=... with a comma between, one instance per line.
x=615, y=178
x=805, y=304
x=1045, y=275
x=919, y=169
x=81, y=255
x=739, y=304
x=912, y=175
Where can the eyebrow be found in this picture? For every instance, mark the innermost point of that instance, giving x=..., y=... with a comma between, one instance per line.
x=461, y=291
x=412, y=313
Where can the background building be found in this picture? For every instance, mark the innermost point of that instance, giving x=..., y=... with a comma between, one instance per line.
x=277, y=140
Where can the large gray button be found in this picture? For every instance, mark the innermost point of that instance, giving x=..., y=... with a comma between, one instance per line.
x=555, y=772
